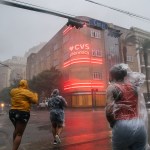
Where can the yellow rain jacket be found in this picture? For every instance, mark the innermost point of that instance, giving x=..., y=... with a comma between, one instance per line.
x=22, y=97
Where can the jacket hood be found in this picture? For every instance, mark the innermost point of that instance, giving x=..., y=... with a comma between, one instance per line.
x=55, y=92
x=23, y=84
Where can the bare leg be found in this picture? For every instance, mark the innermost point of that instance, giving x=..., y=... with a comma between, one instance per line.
x=54, y=132
x=59, y=130
x=14, y=135
x=17, y=135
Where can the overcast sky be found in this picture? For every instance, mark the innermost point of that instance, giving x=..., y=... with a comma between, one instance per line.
x=21, y=29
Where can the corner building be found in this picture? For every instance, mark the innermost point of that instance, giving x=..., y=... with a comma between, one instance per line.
x=84, y=56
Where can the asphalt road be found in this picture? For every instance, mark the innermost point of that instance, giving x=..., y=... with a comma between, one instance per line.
x=84, y=129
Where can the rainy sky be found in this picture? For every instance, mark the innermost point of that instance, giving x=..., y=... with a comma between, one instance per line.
x=21, y=29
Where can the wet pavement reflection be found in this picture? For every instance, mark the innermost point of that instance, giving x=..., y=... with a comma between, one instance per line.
x=84, y=129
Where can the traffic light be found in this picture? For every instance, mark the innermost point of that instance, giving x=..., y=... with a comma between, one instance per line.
x=75, y=23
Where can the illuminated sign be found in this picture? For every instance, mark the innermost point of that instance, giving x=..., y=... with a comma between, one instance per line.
x=79, y=49
x=79, y=53
x=75, y=85
x=83, y=60
x=67, y=30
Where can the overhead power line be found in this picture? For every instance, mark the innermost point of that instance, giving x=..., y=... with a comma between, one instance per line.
x=121, y=11
x=27, y=6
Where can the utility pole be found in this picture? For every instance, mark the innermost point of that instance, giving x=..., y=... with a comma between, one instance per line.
x=41, y=10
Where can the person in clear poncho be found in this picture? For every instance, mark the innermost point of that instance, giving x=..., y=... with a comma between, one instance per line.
x=125, y=109
x=57, y=116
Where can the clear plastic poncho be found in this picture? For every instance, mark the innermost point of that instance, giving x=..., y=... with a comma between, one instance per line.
x=122, y=113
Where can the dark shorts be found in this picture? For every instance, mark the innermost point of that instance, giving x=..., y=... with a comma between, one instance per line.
x=57, y=117
x=17, y=115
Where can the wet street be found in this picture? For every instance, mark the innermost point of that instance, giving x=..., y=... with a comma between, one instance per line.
x=84, y=129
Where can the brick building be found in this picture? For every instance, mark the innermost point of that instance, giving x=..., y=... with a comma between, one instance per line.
x=84, y=56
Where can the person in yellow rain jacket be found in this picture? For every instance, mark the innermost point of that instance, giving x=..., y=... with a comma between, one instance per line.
x=19, y=114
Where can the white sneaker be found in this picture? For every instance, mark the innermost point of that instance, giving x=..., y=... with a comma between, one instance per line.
x=55, y=142
x=57, y=139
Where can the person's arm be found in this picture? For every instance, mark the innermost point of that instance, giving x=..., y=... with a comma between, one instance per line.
x=64, y=101
x=49, y=103
x=109, y=95
x=109, y=105
x=33, y=97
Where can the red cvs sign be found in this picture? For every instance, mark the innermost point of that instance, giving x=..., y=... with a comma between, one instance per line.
x=79, y=47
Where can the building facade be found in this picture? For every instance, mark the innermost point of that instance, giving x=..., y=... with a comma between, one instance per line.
x=14, y=69
x=84, y=56
x=4, y=77
x=141, y=35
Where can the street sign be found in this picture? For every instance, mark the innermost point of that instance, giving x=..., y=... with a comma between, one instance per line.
x=98, y=24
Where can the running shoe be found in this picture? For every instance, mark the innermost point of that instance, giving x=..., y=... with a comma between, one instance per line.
x=55, y=142
x=57, y=139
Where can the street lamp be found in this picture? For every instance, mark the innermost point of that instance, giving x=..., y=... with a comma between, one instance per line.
x=4, y=65
x=2, y=106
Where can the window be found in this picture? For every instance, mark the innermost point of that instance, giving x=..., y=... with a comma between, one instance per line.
x=41, y=58
x=97, y=76
x=66, y=76
x=47, y=53
x=97, y=53
x=96, y=34
x=130, y=58
x=56, y=46
x=66, y=56
x=33, y=56
x=143, y=70
x=66, y=39
x=56, y=62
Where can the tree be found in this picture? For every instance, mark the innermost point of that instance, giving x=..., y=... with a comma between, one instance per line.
x=46, y=81
x=43, y=84
x=5, y=93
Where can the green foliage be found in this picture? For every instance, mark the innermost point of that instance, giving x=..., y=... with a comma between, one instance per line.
x=146, y=44
x=15, y=83
x=46, y=81
x=5, y=93
x=43, y=84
